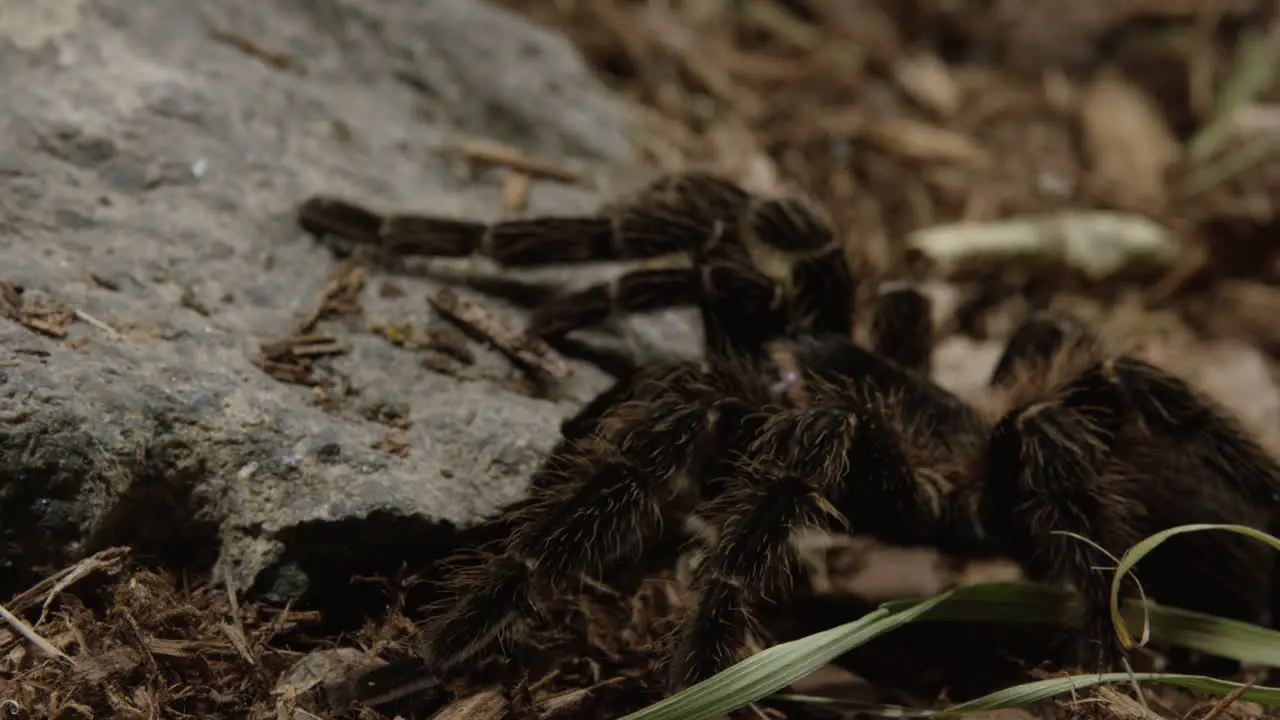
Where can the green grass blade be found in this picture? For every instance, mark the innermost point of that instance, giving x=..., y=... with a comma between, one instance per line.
x=1210, y=634
x=1044, y=689
x=777, y=667
x=1234, y=162
x=1142, y=549
x=1038, y=690
x=774, y=668
x=1252, y=73
x=1003, y=602
x=1032, y=603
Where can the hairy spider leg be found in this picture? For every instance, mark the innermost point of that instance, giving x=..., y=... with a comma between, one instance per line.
x=1036, y=342
x=634, y=292
x=1236, y=480
x=675, y=213
x=772, y=271
x=902, y=326
x=618, y=485
x=835, y=360
x=844, y=461
x=1052, y=466
x=800, y=478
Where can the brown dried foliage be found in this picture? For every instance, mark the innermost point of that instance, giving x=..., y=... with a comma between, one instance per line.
x=143, y=646
x=902, y=116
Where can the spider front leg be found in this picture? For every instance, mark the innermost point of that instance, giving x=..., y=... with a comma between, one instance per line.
x=1121, y=451
x=833, y=467
x=1036, y=342
x=675, y=213
x=617, y=485
x=902, y=326
x=1044, y=465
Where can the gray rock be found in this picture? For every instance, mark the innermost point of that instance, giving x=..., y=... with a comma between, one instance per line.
x=140, y=149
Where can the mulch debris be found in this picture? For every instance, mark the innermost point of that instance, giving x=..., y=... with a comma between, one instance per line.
x=300, y=356
x=46, y=318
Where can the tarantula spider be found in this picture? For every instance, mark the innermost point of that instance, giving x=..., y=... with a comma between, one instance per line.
x=788, y=426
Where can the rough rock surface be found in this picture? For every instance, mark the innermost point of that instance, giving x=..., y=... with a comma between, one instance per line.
x=144, y=154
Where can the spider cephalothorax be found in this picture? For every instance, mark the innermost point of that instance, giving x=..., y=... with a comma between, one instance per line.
x=787, y=426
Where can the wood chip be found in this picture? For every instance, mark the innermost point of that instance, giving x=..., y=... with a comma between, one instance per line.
x=292, y=359
x=524, y=349
x=341, y=296
x=31, y=636
x=192, y=302
x=296, y=346
x=395, y=442
x=85, y=317
x=1098, y=244
x=1130, y=145
x=50, y=319
x=56, y=328
x=109, y=561
x=484, y=705
x=450, y=341
x=929, y=82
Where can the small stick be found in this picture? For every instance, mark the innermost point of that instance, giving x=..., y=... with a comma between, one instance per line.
x=521, y=347
x=495, y=153
x=32, y=637
x=107, y=560
x=344, y=287
x=1227, y=701
x=235, y=631
x=86, y=317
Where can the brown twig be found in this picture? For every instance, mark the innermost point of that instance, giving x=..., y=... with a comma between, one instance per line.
x=340, y=296
x=1227, y=701
x=249, y=46
x=32, y=637
x=521, y=347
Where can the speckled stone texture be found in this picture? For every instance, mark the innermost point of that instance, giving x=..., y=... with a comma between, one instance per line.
x=138, y=148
